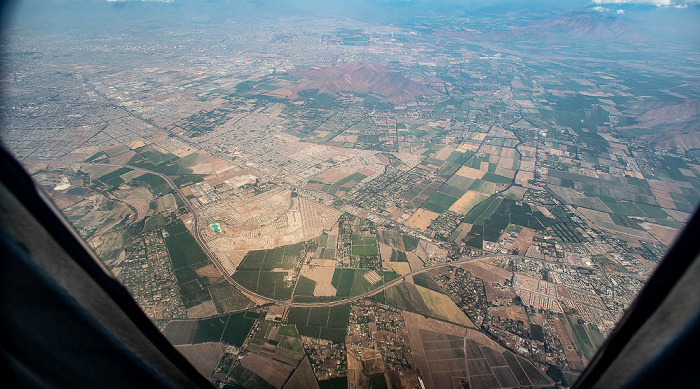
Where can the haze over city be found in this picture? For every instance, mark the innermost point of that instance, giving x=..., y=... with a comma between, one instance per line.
x=350, y=194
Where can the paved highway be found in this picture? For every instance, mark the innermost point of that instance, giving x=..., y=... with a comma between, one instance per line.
x=391, y=283
x=215, y=261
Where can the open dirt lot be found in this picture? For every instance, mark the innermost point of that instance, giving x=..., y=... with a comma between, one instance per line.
x=487, y=272
x=512, y=313
x=323, y=276
x=468, y=201
x=204, y=357
x=446, y=354
x=272, y=371
x=330, y=176
x=421, y=219
x=208, y=271
x=665, y=235
x=524, y=239
x=468, y=172
x=204, y=309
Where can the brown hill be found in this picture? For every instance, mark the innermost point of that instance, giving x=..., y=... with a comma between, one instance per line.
x=658, y=113
x=675, y=140
x=586, y=26
x=676, y=125
x=583, y=25
x=363, y=78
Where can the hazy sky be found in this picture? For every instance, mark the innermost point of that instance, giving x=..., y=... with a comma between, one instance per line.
x=657, y=15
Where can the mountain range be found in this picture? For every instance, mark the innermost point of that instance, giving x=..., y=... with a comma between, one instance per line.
x=362, y=78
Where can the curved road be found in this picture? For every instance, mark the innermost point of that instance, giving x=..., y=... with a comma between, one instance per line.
x=214, y=260
x=389, y=284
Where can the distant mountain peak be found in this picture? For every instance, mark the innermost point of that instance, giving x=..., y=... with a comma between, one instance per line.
x=592, y=25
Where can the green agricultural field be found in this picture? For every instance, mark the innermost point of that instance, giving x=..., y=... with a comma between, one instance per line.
x=452, y=190
x=307, y=330
x=169, y=164
x=342, y=281
x=183, y=249
x=426, y=280
x=154, y=222
x=588, y=347
x=365, y=250
x=349, y=282
x=237, y=329
x=227, y=298
x=155, y=157
x=377, y=381
x=305, y=287
x=188, y=179
x=298, y=315
x=336, y=335
x=390, y=276
x=462, y=183
x=362, y=240
x=482, y=210
x=622, y=208
x=522, y=215
x=483, y=186
x=254, y=315
x=356, y=177
x=193, y=288
x=291, y=342
x=156, y=184
x=439, y=202
x=652, y=211
x=253, y=260
x=288, y=331
x=188, y=160
x=604, y=261
x=114, y=174
x=318, y=316
x=379, y=297
x=410, y=243
x=491, y=177
x=358, y=250
x=338, y=316
x=112, y=183
x=425, y=302
x=334, y=383
x=247, y=278
x=185, y=274
x=371, y=250
x=410, y=194
x=272, y=284
x=626, y=222
x=151, y=179
x=210, y=330
x=288, y=347
x=406, y=296
x=259, y=271
x=325, y=323
x=96, y=156
x=474, y=162
x=261, y=335
x=398, y=256
x=460, y=158
x=284, y=257
x=498, y=221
